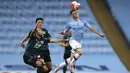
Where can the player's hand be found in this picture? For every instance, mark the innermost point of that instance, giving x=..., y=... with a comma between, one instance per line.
x=62, y=33
x=22, y=45
x=61, y=44
x=102, y=35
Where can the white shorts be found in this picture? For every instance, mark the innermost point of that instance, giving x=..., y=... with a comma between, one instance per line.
x=75, y=45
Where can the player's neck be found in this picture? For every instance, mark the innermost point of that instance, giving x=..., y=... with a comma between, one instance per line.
x=76, y=19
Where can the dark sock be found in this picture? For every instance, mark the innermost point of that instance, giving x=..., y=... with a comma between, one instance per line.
x=64, y=69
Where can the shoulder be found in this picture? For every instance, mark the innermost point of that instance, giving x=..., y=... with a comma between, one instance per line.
x=31, y=33
x=83, y=20
x=44, y=29
x=31, y=30
x=70, y=23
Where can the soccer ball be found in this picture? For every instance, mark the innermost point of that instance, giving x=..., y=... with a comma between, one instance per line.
x=75, y=5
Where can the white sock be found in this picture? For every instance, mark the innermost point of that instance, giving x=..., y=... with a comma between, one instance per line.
x=66, y=62
x=76, y=56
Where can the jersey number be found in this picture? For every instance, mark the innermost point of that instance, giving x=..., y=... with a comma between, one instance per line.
x=38, y=44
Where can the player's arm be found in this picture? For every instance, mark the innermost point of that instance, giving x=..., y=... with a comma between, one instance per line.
x=66, y=30
x=29, y=35
x=50, y=40
x=64, y=44
x=56, y=40
x=93, y=29
x=24, y=40
x=63, y=33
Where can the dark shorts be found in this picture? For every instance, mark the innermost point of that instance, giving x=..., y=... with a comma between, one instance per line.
x=67, y=55
x=31, y=59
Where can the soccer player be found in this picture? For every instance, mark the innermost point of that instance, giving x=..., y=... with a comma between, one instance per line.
x=67, y=50
x=37, y=53
x=76, y=26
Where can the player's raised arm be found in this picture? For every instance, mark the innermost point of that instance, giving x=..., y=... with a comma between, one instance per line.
x=93, y=29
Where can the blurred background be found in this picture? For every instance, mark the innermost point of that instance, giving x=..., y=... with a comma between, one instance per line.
x=101, y=55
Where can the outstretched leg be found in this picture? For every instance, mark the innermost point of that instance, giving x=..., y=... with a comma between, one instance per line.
x=77, y=54
x=66, y=62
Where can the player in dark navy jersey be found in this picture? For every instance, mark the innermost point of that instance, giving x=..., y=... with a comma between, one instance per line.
x=37, y=53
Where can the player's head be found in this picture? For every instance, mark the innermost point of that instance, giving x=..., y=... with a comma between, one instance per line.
x=39, y=22
x=74, y=13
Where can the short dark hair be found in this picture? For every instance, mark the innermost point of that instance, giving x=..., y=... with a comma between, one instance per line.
x=39, y=19
x=71, y=11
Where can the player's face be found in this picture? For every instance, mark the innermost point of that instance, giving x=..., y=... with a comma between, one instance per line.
x=75, y=14
x=39, y=24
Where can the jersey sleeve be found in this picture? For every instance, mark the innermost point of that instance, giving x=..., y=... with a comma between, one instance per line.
x=86, y=24
x=68, y=27
x=31, y=33
x=47, y=34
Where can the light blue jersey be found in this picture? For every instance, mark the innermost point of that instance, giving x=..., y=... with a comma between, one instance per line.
x=77, y=29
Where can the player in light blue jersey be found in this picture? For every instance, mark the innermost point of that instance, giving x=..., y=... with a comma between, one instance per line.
x=76, y=26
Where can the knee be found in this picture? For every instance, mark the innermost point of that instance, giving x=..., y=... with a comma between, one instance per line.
x=49, y=69
x=80, y=51
x=46, y=70
x=38, y=63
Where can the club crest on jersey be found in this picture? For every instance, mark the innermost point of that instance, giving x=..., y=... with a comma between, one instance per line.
x=43, y=32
